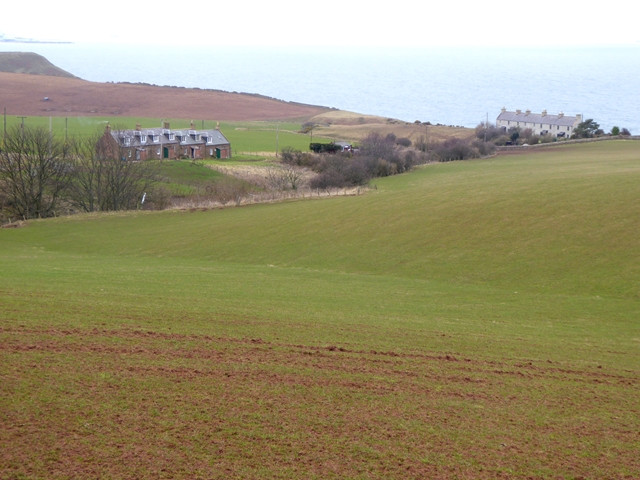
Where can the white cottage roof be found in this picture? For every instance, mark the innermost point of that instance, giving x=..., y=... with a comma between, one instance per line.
x=561, y=120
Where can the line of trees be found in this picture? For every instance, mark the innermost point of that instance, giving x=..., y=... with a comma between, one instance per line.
x=43, y=176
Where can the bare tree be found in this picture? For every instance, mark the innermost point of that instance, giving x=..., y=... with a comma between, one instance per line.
x=286, y=177
x=34, y=171
x=103, y=177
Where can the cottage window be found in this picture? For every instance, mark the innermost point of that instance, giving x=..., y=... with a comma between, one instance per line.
x=211, y=152
x=143, y=139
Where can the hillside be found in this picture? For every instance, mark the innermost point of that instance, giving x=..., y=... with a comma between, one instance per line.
x=471, y=320
x=27, y=79
x=24, y=95
x=30, y=63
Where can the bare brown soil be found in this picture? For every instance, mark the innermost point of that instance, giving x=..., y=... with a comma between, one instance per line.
x=23, y=94
x=129, y=403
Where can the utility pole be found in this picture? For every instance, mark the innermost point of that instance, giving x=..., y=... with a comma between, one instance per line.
x=66, y=129
x=4, y=137
x=277, y=132
x=486, y=125
x=22, y=124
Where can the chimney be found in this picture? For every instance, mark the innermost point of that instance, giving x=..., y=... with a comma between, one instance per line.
x=518, y=112
x=560, y=115
x=107, y=128
x=138, y=127
x=193, y=125
x=503, y=110
x=165, y=125
x=218, y=126
x=579, y=117
x=527, y=112
x=544, y=113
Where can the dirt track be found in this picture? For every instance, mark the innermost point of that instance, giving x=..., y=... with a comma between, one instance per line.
x=24, y=94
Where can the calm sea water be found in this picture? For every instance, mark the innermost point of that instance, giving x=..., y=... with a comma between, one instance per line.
x=454, y=86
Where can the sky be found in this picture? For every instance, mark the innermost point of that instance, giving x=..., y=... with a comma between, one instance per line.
x=403, y=23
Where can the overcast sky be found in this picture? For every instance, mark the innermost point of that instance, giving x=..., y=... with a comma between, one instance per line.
x=327, y=23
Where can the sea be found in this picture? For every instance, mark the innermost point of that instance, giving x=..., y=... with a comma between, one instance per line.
x=448, y=85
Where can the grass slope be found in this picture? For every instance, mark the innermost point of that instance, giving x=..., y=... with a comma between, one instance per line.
x=467, y=320
x=31, y=63
x=245, y=137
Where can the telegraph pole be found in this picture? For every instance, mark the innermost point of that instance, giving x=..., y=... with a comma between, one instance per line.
x=277, y=132
x=22, y=124
x=486, y=125
x=4, y=137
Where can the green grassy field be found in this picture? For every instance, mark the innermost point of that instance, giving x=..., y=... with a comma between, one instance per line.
x=466, y=320
x=245, y=137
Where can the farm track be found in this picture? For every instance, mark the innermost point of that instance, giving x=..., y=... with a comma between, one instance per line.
x=135, y=403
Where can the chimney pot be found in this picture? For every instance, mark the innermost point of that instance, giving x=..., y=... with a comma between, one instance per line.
x=138, y=127
x=544, y=113
x=527, y=112
x=165, y=125
x=518, y=111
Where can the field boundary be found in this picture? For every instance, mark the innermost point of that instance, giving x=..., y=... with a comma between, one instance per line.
x=567, y=142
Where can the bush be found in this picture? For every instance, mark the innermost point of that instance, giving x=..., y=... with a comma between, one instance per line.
x=484, y=148
x=502, y=141
x=615, y=131
x=455, y=149
x=290, y=156
x=490, y=130
x=625, y=132
x=403, y=142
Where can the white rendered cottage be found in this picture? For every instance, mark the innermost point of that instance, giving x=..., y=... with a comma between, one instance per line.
x=560, y=125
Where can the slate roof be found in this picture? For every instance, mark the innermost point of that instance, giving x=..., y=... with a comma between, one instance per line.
x=564, y=121
x=163, y=135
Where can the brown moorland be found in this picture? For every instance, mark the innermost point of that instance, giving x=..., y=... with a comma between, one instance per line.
x=24, y=94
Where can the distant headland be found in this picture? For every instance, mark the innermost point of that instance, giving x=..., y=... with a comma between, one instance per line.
x=8, y=39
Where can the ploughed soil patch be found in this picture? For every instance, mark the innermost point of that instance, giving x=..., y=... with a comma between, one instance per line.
x=82, y=403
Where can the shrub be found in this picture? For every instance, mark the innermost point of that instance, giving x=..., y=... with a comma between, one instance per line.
x=403, y=142
x=625, y=132
x=502, y=140
x=455, y=149
x=158, y=198
x=490, y=130
x=290, y=156
x=378, y=146
x=484, y=148
x=615, y=131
